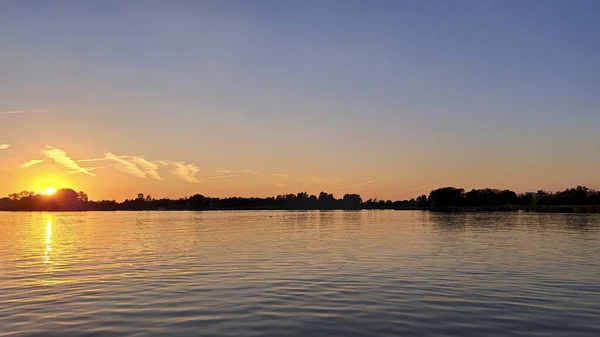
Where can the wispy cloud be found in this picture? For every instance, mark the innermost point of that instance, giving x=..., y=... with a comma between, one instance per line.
x=31, y=163
x=364, y=183
x=125, y=166
x=13, y=112
x=279, y=175
x=61, y=157
x=236, y=171
x=281, y=178
x=134, y=165
x=327, y=180
x=220, y=177
x=150, y=168
x=4, y=146
x=185, y=171
x=143, y=168
x=420, y=187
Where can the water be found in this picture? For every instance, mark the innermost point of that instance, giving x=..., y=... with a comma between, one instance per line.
x=267, y=273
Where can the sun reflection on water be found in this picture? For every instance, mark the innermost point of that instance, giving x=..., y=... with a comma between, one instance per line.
x=48, y=240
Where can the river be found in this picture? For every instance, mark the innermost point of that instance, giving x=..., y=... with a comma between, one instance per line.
x=302, y=273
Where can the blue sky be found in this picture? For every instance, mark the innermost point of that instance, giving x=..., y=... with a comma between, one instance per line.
x=407, y=95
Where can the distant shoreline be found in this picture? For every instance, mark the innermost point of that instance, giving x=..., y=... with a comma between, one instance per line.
x=562, y=209
x=446, y=199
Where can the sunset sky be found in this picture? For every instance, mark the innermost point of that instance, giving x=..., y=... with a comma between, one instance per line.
x=388, y=99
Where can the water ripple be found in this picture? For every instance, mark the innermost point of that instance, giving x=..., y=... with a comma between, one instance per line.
x=369, y=273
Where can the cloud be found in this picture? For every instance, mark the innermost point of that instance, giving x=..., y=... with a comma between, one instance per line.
x=134, y=165
x=279, y=178
x=236, y=171
x=280, y=175
x=365, y=183
x=4, y=146
x=60, y=157
x=13, y=112
x=31, y=163
x=185, y=171
x=420, y=187
x=125, y=166
x=327, y=180
x=150, y=168
x=143, y=168
x=220, y=177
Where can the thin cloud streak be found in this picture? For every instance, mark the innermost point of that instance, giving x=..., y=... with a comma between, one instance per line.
x=325, y=179
x=31, y=163
x=185, y=171
x=281, y=178
x=125, y=166
x=4, y=146
x=416, y=188
x=281, y=175
x=220, y=177
x=236, y=171
x=14, y=112
x=134, y=165
x=365, y=183
x=61, y=157
x=150, y=168
x=101, y=167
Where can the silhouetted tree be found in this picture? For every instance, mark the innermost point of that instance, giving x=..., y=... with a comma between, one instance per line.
x=82, y=196
x=66, y=199
x=446, y=197
x=581, y=198
x=421, y=201
x=197, y=201
x=351, y=201
x=326, y=201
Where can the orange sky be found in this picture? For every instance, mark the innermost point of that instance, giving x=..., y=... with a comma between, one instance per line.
x=388, y=100
x=118, y=176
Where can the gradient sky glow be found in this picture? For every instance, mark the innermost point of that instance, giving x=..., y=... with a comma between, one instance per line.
x=384, y=98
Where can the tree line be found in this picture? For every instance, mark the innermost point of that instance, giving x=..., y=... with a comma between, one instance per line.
x=578, y=199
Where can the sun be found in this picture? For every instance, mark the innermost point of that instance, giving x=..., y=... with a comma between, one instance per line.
x=50, y=190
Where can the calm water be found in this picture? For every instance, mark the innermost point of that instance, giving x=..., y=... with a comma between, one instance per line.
x=369, y=273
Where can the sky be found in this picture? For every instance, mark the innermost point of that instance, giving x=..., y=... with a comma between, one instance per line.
x=388, y=99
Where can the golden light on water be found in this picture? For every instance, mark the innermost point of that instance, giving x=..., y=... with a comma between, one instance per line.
x=48, y=240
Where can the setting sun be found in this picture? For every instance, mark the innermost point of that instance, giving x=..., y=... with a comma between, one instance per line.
x=50, y=190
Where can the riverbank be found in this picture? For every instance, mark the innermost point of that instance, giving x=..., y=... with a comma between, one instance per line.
x=515, y=208
x=507, y=208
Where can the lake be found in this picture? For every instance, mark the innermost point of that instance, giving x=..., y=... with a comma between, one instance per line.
x=304, y=273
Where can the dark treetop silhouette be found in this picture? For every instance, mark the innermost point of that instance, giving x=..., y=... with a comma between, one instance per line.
x=579, y=199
